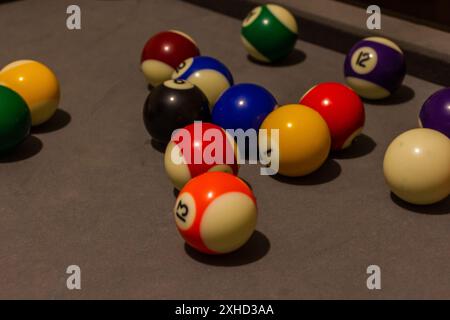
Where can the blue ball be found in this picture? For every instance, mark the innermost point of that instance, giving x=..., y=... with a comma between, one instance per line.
x=243, y=106
x=210, y=75
x=199, y=63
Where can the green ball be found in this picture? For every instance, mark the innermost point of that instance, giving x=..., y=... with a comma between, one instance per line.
x=15, y=119
x=269, y=33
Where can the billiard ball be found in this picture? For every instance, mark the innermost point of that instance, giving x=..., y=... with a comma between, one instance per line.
x=163, y=52
x=216, y=213
x=36, y=84
x=269, y=33
x=417, y=166
x=375, y=67
x=209, y=74
x=435, y=112
x=243, y=106
x=192, y=152
x=341, y=108
x=303, y=140
x=15, y=119
x=172, y=105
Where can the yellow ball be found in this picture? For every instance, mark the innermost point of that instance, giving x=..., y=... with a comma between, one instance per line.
x=37, y=85
x=303, y=143
x=417, y=166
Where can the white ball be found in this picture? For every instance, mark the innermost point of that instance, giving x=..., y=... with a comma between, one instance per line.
x=417, y=166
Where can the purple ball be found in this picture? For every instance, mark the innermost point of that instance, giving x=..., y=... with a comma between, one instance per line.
x=435, y=112
x=374, y=67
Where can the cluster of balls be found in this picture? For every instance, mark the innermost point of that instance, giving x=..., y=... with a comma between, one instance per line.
x=216, y=211
x=29, y=96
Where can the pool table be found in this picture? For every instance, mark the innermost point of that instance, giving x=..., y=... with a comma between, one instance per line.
x=89, y=188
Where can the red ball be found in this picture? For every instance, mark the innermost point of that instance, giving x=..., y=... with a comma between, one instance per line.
x=208, y=148
x=164, y=52
x=341, y=108
x=216, y=213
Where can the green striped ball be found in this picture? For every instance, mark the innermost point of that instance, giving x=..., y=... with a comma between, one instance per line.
x=269, y=33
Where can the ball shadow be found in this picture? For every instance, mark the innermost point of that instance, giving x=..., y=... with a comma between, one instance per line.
x=27, y=149
x=158, y=146
x=296, y=57
x=255, y=249
x=402, y=95
x=361, y=146
x=58, y=121
x=247, y=183
x=175, y=192
x=439, y=208
x=329, y=171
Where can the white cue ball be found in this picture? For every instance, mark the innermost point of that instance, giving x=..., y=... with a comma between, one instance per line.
x=417, y=166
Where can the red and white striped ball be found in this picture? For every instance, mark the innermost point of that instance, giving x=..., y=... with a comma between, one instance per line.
x=198, y=148
x=216, y=213
x=163, y=52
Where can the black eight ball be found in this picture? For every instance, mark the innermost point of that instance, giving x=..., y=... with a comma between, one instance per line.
x=172, y=105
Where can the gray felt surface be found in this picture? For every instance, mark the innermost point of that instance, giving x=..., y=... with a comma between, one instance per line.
x=89, y=189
